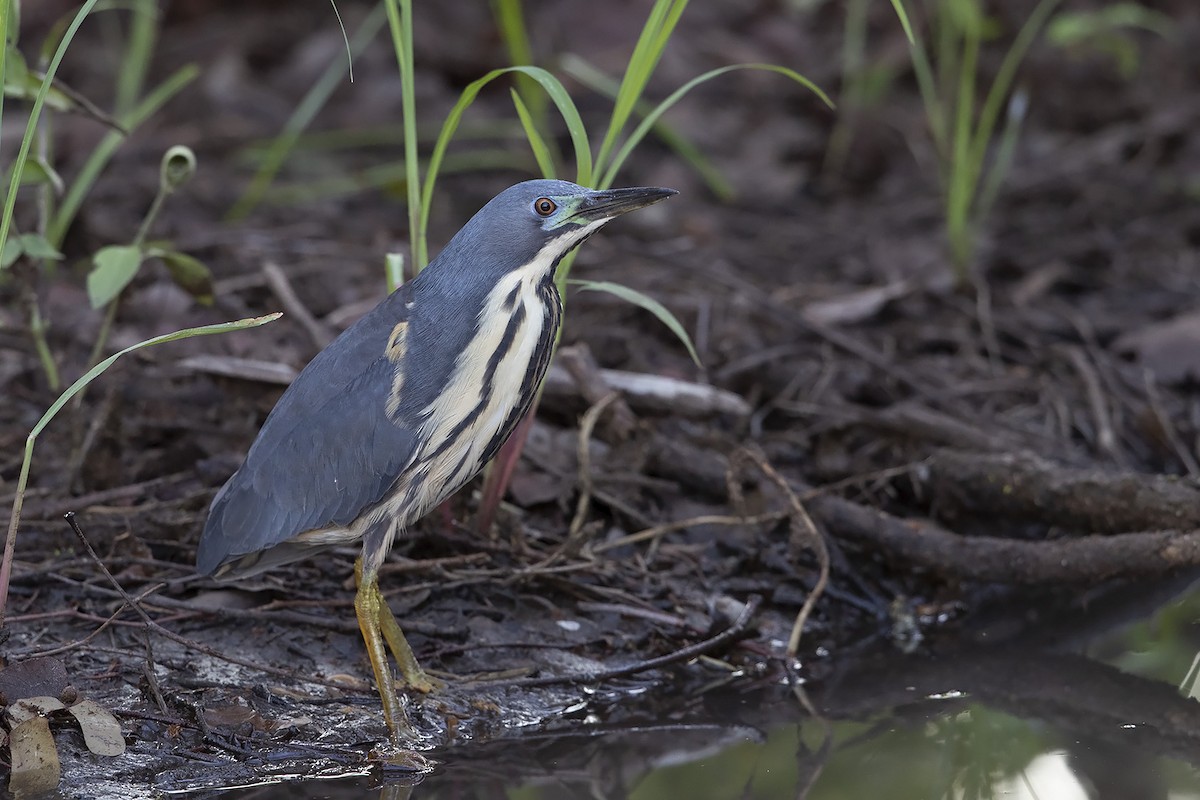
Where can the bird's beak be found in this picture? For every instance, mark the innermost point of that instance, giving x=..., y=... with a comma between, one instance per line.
x=609, y=203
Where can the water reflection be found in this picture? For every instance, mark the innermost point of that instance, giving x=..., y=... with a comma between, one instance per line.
x=1046, y=698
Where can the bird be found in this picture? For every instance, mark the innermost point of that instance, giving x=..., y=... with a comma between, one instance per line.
x=407, y=405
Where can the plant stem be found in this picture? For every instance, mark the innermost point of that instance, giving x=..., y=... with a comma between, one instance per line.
x=103, y=152
x=37, y=331
x=400, y=21
x=110, y=315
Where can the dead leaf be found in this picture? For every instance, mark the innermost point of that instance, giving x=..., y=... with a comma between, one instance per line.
x=535, y=487
x=1171, y=348
x=101, y=731
x=233, y=716
x=853, y=307
x=29, y=707
x=247, y=369
x=34, y=677
x=35, y=765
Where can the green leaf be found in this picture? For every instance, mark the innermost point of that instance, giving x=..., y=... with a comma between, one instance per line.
x=540, y=150
x=664, y=15
x=650, y=304
x=898, y=7
x=20, y=83
x=562, y=101
x=115, y=267
x=103, y=152
x=37, y=172
x=189, y=273
x=35, y=246
x=12, y=250
x=1077, y=27
x=597, y=81
x=306, y=110
x=16, y=71
x=10, y=200
x=648, y=123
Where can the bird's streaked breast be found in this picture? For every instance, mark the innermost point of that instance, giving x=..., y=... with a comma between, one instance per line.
x=492, y=384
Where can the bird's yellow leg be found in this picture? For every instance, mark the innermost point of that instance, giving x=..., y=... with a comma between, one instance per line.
x=367, y=605
x=414, y=676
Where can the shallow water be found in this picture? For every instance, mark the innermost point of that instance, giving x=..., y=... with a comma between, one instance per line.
x=1091, y=697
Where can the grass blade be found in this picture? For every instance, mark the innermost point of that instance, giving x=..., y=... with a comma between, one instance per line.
x=646, y=53
x=598, y=82
x=650, y=304
x=510, y=19
x=651, y=119
x=10, y=542
x=35, y=114
x=282, y=146
x=557, y=94
x=994, y=101
x=898, y=6
x=138, y=51
x=536, y=143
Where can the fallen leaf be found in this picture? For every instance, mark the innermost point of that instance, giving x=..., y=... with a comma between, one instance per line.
x=233, y=716
x=28, y=708
x=35, y=765
x=853, y=307
x=101, y=731
x=1170, y=349
x=34, y=677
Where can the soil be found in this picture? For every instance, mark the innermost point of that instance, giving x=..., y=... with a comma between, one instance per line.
x=940, y=443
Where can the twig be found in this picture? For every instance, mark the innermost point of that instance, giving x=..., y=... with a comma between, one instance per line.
x=80, y=642
x=726, y=636
x=589, y=379
x=654, y=393
x=56, y=507
x=182, y=640
x=1021, y=486
x=668, y=527
x=586, y=426
x=1106, y=438
x=1168, y=428
x=816, y=542
x=282, y=287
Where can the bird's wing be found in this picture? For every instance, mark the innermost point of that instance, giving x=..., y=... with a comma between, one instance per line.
x=328, y=451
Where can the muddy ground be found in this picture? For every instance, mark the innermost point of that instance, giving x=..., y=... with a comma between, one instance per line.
x=955, y=444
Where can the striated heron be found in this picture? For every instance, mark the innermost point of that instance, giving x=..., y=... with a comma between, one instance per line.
x=408, y=404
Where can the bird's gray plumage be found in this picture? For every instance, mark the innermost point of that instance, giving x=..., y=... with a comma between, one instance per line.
x=329, y=451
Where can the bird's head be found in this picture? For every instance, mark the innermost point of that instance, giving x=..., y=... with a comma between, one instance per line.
x=532, y=225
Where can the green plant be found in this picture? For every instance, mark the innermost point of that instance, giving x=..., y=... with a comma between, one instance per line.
x=316, y=97
x=619, y=138
x=58, y=202
x=1107, y=31
x=618, y=142
x=863, y=84
x=963, y=130
x=536, y=91
x=64, y=398
x=114, y=267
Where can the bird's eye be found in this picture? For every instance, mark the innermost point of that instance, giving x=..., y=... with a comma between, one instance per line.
x=544, y=206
